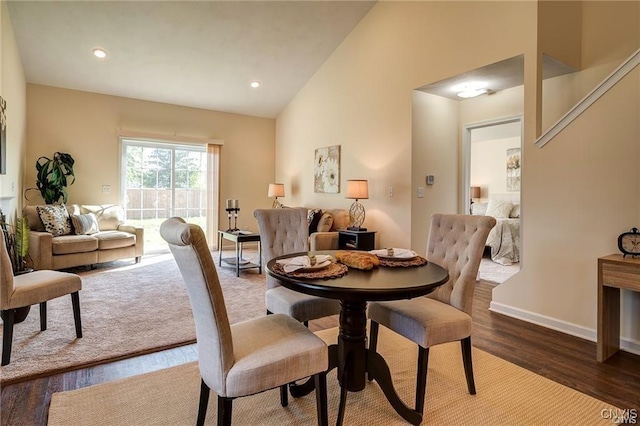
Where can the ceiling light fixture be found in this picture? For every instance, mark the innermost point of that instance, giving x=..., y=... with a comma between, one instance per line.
x=471, y=90
x=255, y=84
x=99, y=53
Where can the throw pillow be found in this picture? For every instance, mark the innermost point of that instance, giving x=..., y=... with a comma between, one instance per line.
x=55, y=219
x=326, y=220
x=515, y=211
x=84, y=223
x=313, y=217
x=479, y=209
x=499, y=209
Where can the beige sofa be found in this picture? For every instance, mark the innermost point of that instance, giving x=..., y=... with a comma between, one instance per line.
x=324, y=239
x=113, y=240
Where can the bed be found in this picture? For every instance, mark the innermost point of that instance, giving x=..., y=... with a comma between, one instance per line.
x=504, y=238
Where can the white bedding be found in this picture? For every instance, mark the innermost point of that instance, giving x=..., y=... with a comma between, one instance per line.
x=504, y=240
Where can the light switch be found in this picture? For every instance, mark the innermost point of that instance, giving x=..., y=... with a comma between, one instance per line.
x=421, y=192
x=106, y=189
x=391, y=191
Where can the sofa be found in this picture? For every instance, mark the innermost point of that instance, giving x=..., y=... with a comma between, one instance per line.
x=86, y=235
x=324, y=226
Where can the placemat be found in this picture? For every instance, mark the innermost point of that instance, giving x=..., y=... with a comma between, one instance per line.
x=333, y=270
x=405, y=263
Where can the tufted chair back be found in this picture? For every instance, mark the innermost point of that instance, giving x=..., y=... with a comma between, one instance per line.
x=6, y=275
x=213, y=331
x=456, y=242
x=282, y=231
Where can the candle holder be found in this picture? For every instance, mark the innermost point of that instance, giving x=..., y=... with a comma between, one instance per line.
x=233, y=207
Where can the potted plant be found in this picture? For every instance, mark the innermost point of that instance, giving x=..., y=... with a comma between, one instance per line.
x=17, y=242
x=53, y=177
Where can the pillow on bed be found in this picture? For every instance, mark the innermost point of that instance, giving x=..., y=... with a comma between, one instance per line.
x=499, y=209
x=515, y=211
x=479, y=209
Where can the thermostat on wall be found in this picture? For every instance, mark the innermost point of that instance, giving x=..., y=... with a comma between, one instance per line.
x=430, y=180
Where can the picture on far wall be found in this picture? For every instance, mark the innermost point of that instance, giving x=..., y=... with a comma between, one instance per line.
x=3, y=137
x=513, y=169
x=326, y=170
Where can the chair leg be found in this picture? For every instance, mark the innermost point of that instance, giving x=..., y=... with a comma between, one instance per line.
x=43, y=316
x=75, y=301
x=138, y=258
x=284, y=395
x=204, y=401
x=373, y=341
x=321, y=398
x=8, y=318
x=468, y=364
x=225, y=406
x=421, y=380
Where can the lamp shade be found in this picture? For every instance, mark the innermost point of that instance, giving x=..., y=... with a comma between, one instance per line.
x=475, y=192
x=358, y=189
x=276, y=190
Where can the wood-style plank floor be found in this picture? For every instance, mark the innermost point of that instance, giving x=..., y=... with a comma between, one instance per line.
x=557, y=356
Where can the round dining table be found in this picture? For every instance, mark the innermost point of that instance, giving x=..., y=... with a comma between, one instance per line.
x=355, y=289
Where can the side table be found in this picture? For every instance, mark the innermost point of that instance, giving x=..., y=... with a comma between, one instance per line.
x=239, y=237
x=614, y=272
x=356, y=240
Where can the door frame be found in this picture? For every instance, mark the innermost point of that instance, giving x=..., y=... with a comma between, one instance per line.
x=466, y=153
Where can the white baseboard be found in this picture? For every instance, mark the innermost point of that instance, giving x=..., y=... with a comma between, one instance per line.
x=586, y=333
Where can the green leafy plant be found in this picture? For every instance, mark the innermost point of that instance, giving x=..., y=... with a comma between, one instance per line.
x=53, y=177
x=17, y=241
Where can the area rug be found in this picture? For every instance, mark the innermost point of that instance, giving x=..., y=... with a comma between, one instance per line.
x=507, y=395
x=127, y=310
x=495, y=272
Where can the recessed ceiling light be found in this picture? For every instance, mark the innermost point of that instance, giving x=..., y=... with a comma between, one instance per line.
x=99, y=53
x=255, y=84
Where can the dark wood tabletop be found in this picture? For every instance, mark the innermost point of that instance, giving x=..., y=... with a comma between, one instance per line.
x=380, y=283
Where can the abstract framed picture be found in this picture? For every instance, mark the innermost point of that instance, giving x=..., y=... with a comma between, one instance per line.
x=3, y=137
x=513, y=169
x=326, y=170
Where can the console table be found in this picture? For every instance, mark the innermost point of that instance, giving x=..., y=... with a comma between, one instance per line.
x=614, y=272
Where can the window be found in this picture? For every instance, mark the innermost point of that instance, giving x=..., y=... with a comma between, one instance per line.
x=161, y=180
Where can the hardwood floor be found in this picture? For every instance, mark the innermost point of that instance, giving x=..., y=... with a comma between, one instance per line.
x=557, y=356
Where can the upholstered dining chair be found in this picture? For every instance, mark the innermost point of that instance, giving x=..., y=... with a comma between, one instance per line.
x=245, y=358
x=284, y=231
x=31, y=288
x=456, y=242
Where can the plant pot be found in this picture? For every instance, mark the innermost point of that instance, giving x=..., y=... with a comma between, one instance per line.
x=19, y=315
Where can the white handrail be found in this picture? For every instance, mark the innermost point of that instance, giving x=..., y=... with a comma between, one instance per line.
x=618, y=74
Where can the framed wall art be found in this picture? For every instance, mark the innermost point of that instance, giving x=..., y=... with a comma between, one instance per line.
x=326, y=170
x=513, y=169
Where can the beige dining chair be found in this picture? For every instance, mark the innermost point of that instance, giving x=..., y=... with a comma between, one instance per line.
x=245, y=358
x=456, y=242
x=285, y=231
x=32, y=288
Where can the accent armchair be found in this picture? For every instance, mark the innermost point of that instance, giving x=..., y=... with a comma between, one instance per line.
x=29, y=289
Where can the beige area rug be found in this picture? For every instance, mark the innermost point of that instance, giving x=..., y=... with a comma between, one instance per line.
x=127, y=309
x=507, y=395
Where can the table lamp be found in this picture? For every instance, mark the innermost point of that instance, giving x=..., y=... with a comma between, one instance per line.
x=359, y=190
x=475, y=193
x=276, y=190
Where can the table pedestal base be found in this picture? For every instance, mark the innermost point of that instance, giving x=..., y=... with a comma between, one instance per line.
x=353, y=361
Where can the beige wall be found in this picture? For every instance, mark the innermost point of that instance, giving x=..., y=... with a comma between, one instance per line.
x=581, y=190
x=87, y=126
x=488, y=165
x=361, y=99
x=13, y=90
